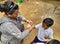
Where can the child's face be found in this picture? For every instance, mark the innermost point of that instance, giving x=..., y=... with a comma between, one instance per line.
x=44, y=26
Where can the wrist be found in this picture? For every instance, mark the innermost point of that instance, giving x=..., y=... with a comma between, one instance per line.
x=30, y=29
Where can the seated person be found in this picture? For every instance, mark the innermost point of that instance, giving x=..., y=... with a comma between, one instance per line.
x=44, y=31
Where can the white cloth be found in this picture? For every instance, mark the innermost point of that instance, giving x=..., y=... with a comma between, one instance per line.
x=42, y=33
x=39, y=43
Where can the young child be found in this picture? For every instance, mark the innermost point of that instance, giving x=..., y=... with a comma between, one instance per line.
x=44, y=31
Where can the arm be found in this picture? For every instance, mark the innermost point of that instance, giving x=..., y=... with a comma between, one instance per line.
x=14, y=31
x=50, y=36
x=35, y=26
x=22, y=18
x=38, y=26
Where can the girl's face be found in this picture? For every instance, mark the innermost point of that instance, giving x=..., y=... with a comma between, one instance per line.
x=14, y=15
x=44, y=26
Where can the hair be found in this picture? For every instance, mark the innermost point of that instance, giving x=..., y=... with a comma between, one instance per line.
x=8, y=7
x=54, y=41
x=48, y=21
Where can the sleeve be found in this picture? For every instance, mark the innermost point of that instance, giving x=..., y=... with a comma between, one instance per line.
x=21, y=17
x=14, y=31
x=38, y=26
x=51, y=34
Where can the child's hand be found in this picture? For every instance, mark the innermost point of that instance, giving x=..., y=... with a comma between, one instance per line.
x=31, y=27
x=47, y=37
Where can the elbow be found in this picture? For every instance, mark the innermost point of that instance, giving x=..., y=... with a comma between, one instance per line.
x=19, y=37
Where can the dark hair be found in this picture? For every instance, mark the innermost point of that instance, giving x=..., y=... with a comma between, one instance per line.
x=8, y=7
x=54, y=41
x=48, y=21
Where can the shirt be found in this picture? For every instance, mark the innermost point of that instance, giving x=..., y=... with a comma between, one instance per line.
x=11, y=33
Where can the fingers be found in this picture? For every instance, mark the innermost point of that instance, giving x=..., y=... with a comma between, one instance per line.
x=30, y=22
x=30, y=25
